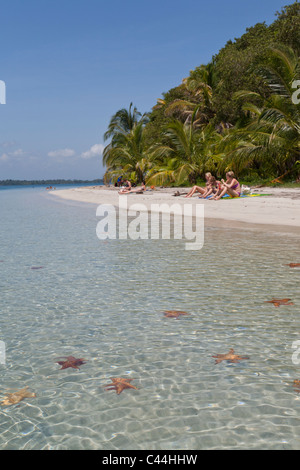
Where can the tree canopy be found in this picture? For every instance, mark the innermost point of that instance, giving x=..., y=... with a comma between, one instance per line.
x=236, y=112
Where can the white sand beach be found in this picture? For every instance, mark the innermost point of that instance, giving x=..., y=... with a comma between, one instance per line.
x=277, y=210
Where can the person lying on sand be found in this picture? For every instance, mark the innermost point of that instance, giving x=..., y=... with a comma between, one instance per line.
x=231, y=187
x=198, y=188
x=136, y=190
x=140, y=188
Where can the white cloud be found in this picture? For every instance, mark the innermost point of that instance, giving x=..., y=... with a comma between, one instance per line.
x=9, y=155
x=61, y=153
x=4, y=157
x=17, y=153
x=95, y=151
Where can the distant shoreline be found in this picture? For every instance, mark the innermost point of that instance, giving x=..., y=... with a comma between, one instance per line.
x=47, y=182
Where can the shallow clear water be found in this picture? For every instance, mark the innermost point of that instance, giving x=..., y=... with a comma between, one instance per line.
x=103, y=300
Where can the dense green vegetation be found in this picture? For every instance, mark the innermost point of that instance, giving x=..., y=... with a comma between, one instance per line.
x=237, y=112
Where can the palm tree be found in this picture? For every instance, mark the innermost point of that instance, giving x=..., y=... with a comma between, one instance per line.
x=198, y=105
x=123, y=121
x=187, y=154
x=125, y=154
x=202, y=82
x=128, y=156
x=270, y=141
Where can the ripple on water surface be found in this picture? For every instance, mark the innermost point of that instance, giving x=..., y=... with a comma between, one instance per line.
x=105, y=301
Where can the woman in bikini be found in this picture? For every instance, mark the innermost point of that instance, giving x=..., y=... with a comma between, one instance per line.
x=231, y=186
x=198, y=188
x=213, y=187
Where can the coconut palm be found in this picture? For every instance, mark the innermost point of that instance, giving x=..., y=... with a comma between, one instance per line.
x=187, y=154
x=198, y=105
x=202, y=82
x=125, y=154
x=271, y=138
x=123, y=121
x=128, y=156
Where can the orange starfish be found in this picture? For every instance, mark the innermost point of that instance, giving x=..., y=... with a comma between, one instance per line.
x=71, y=361
x=293, y=265
x=16, y=397
x=230, y=357
x=119, y=384
x=296, y=385
x=174, y=313
x=278, y=302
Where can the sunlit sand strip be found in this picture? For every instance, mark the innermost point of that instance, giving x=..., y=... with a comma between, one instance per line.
x=279, y=212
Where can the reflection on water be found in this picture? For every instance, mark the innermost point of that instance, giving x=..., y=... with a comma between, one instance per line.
x=104, y=301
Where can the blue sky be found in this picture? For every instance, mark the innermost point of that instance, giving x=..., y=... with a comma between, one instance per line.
x=69, y=65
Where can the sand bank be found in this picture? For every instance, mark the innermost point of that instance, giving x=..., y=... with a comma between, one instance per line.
x=277, y=210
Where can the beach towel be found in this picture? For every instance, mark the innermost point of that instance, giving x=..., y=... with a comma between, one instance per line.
x=244, y=195
x=226, y=196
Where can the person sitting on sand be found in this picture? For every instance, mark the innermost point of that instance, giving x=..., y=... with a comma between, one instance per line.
x=214, y=187
x=127, y=189
x=231, y=186
x=120, y=181
x=198, y=188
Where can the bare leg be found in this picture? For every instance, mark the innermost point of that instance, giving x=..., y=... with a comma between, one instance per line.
x=206, y=193
x=220, y=194
x=194, y=189
x=191, y=192
x=125, y=191
x=216, y=193
x=231, y=192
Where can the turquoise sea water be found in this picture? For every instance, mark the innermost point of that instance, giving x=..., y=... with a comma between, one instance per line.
x=103, y=301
